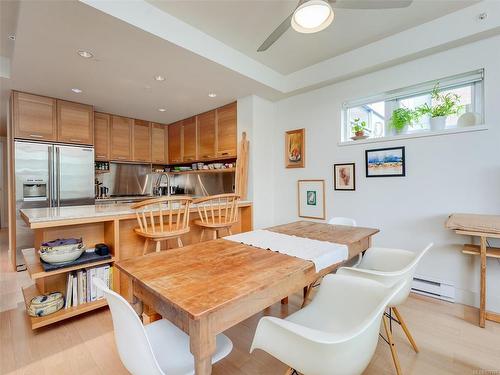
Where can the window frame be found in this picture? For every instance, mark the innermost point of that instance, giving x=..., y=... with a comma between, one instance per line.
x=391, y=98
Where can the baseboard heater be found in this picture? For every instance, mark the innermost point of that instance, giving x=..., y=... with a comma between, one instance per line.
x=433, y=288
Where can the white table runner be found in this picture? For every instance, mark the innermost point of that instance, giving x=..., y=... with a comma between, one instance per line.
x=322, y=253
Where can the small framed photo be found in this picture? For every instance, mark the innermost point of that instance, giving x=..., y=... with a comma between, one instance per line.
x=344, y=176
x=385, y=162
x=311, y=199
x=295, y=149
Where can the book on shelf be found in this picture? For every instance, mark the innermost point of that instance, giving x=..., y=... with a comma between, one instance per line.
x=79, y=286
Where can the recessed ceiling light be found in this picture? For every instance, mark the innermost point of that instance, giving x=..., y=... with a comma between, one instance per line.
x=76, y=90
x=159, y=78
x=85, y=54
x=212, y=94
x=161, y=109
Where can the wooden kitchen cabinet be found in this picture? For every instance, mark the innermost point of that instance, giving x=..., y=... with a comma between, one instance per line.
x=189, y=140
x=175, y=143
x=226, y=131
x=75, y=123
x=121, y=138
x=141, y=141
x=206, y=135
x=34, y=117
x=101, y=136
x=159, y=143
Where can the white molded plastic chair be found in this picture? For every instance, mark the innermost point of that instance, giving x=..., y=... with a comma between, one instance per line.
x=390, y=266
x=337, y=333
x=155, y=349
x=338, y=220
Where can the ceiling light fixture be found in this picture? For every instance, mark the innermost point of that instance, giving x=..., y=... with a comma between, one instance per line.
x=159, y=78
x=162, y=109
x=12, y=37
x=312, y=16
x=75, y=90
x=85, y=54
x=212, y=94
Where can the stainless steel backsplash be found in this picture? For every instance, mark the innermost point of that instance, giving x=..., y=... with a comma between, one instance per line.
x=128, y=179
x=137, y=179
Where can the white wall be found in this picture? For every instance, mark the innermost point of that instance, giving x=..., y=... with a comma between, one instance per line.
x=256, y=116
x=445, y=174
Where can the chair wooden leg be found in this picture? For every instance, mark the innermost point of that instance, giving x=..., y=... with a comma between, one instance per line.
x=215, y=234
x=405, y=329
x=202, y=235
x=145, y=248
x=179, y=242
x=158, y=246
x=289, y=371
x=394, y=353
x=229, y=231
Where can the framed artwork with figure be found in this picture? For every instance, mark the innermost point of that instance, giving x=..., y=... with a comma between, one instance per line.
x=311, y=199
x=344, y=176
x=295, y=149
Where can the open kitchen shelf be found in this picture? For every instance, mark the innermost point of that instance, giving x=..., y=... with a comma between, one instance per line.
x=225, y=170
x=37, y=322
x=36, y=270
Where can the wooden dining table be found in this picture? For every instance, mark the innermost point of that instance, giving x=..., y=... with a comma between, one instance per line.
x=208, y=287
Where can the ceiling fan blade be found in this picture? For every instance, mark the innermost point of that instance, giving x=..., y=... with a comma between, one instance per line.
x=276, y=34
x=370, y=4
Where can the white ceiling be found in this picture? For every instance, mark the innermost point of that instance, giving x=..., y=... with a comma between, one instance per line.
x=133, y=40
x=45, y=61
x=245, y=24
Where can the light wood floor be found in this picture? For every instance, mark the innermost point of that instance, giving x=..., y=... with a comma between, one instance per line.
x=448, y=336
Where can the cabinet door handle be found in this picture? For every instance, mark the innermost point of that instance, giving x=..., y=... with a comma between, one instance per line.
x=207, y=156
x=225, y=153
x=36, y=136
x=75, y=140
x=101, y=156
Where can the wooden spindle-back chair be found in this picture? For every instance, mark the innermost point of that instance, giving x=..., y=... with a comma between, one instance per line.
x=161, y=219
x=217, y=212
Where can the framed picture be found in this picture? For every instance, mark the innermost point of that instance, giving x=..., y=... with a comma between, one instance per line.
x=295, y=148
x=344, y=176
x=312, y=199
x=385, y=162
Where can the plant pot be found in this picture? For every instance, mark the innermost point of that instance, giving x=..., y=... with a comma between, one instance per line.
x=402, y=130
x=438, y=123
x=359, y=134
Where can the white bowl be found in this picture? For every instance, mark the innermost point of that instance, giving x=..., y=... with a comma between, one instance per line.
x=65, y=256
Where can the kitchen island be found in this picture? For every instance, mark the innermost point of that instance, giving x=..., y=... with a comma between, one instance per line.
x=112, y=224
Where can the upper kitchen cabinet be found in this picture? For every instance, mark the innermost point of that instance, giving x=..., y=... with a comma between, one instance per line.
x=226, y=131
x=159, y=143
x=175, y=143
x=141, y=141
x=101, y=136
x=75, y=123
x=34, y=117
x=121, y=138
x=206, y=135
x=189, y=140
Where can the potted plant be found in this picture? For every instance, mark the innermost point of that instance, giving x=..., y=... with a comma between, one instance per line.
x=446, y=104
x=358, y=127
x=402, y=118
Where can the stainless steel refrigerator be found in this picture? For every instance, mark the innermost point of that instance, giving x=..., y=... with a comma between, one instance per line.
x=50, y=175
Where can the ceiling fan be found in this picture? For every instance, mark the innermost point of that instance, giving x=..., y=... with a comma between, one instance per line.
x=311, y=16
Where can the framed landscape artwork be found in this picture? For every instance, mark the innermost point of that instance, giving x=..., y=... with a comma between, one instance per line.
x=311, y=199
x=344, y=176
x=295, y=149
x=385, y=162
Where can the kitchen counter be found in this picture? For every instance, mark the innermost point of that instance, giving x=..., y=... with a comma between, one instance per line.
x=57, y=216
